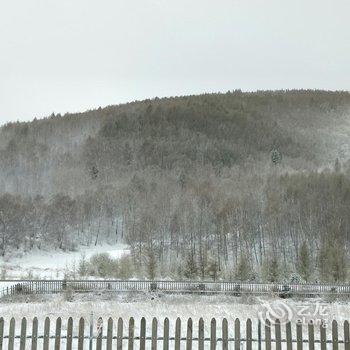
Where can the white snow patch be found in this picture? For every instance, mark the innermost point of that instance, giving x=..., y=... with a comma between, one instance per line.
x=52, y=264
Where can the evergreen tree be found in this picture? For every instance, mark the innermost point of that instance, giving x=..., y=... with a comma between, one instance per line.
x=243, y=270
x=190, y=268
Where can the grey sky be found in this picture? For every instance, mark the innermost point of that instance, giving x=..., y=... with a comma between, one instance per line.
x=73, y=55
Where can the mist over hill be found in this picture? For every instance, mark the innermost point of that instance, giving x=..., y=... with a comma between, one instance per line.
x=232, y=185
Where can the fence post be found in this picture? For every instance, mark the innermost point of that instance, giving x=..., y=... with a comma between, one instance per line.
x=249, y=334
x=109, y=333
x=189, y=334
x=335, y=334
x=143, y=334
x=12, y=334
x=289, y=336
x=131, y=333
x=346, y=336
x=69, y=333
x=299, y=335
x=154, y=333
x=166, y=334
x=201, y=334
x=213, y=334
x=278, y=335
x=22, y=345
x=267, y=335
x=177, y=333
x=58, y=334
x=224, y=334
x=81, y=334
x=120, y=334
x=46, y=333
x=311, y=334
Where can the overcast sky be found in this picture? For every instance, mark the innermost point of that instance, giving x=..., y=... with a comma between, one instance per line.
x=73, y=55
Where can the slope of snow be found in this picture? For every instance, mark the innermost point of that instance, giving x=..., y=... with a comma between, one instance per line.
x=53, y=264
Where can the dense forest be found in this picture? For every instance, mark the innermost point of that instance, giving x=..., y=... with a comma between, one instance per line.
x=248, y=186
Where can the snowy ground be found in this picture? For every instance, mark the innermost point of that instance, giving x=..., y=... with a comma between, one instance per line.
x=171, y=306
x=53, y=264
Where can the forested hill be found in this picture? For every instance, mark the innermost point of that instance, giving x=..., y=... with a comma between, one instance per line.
x=229, y=181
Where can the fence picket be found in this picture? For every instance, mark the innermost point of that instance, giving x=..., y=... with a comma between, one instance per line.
x=1, y=332
x=323, y=336
x=224, y=334
x=177, y=333
x=58, y=333
x=99, y=333
x=81, y=334
x=154, y=333
x=237, y=334
x=69, y=333
x=143, y=334
x=346, y=336
x=109, y=334
x=249, y=334
x=334, y=335
x=22, y=344
x=201, y=334
x=278, y=335
x=12, y=334
x=299, y=335
x=213, y=334
x=267, y=335
x=189, y=334
x=311, y=336
x=289, y=336
x=131, y=333
x=120, y=334
x=46, y=333
x=34, y=334
x=166, y=334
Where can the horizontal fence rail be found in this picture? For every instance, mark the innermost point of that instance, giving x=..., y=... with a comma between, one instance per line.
x=117, y=333
x=15, y=287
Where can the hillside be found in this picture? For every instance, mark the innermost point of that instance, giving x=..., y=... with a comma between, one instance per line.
x=231, y=183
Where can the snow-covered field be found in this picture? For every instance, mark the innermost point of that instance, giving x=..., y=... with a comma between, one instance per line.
x=54, y=264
